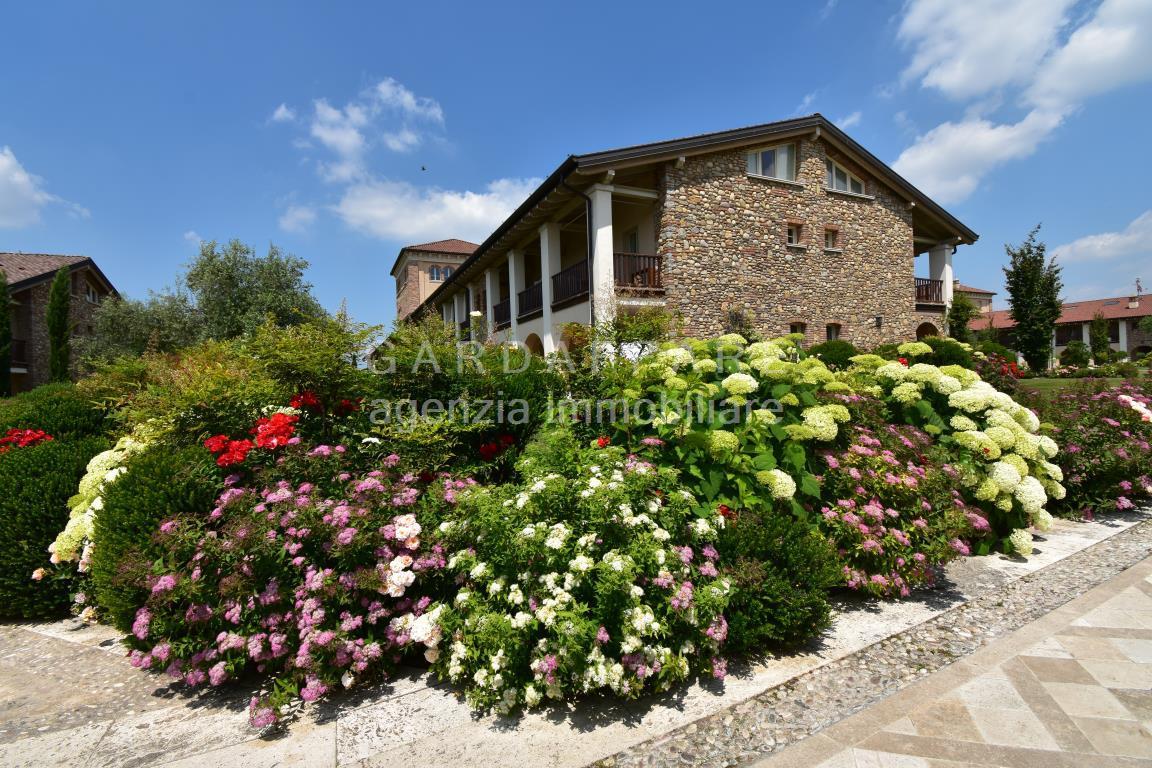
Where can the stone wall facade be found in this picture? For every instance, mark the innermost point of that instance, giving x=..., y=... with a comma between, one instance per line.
x=723, y=238
x=34, y=326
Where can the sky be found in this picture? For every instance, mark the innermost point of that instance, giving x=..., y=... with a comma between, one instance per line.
x=129, y=132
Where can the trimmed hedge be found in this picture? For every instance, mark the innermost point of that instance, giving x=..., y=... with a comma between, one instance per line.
x=61, y=410
x=836, y=354
x=35, y=485
x=161, y=483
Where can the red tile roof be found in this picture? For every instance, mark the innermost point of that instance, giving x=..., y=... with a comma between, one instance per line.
x=20, y=268
x=452, y=245
x=1078, y=311
x=969, y=289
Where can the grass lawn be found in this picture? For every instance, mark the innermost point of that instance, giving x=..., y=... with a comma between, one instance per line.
x=1048, y=386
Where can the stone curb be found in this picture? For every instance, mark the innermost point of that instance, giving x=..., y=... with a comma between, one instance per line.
x=809, y=703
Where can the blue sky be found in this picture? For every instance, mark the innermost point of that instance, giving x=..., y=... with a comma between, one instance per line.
x=129, y=134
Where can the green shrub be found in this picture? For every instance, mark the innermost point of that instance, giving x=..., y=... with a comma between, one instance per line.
x=160, y=483
x=995, y=348
x=61, y=410
x=835, y=354
x=780, y=571
x=1076, y=354
x=886, y=351
x=947, y=352
x=35, y=485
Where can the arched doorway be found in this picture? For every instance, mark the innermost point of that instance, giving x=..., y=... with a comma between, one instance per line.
x=924, y=330
x=534, y=345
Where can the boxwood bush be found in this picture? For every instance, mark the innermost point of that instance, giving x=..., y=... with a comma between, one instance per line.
x=160, y=483
x=836, y=354
x=61, y=410
x=35, y=485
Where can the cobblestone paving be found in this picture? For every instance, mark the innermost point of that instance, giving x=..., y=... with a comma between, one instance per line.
x=817, y=700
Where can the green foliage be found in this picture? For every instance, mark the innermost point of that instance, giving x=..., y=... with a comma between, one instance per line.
x=1098, y=340
x=163, y=323
x=1033, y=283
x=5, y=337
x=1075, y=354
x=59, y=323
x=62, y=410
x=237, y=291
x=947, y=351
x=780, y=571
x=989, y=347
x=835, y=354
x=645, y=325
x=35, y=485
x=960, y=316
x=161, y=483
x=886, y=351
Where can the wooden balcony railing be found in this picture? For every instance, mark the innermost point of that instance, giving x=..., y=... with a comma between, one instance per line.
x=530, y=300
x=502, y=313
x=639, y=273
x=19, y=354
x=929, y=291
x=570, y=283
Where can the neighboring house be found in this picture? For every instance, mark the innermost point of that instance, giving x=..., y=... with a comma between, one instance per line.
x=1123, y=315
x=29, y=277
x=978, y=296
x=788, y=226
x=420, y=269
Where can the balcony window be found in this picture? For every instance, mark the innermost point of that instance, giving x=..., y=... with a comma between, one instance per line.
x=777, y=162
x=796, y=328
x=842, y=180
x=832, y=331
x=795, y=234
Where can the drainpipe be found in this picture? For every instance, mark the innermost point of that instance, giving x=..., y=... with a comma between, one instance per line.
x=589, y=237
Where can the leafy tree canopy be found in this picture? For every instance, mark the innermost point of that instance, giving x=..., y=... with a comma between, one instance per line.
x=1033, y=283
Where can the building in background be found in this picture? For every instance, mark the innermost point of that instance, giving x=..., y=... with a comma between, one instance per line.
x=1123, y=314
x=29, y=277
x=785, y=227
x=980, y=297
x=420, y=269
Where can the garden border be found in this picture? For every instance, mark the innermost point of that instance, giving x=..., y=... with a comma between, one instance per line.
x=821, y=697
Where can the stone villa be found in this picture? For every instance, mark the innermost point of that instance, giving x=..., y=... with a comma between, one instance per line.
x=29, y=277
x=785, y=227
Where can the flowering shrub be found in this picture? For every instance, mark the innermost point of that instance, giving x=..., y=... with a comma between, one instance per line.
x=601, y=580
x=22, y=438
x=309, y=583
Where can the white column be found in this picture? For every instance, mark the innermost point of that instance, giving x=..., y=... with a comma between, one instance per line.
x=459, y=310
x=549, y=265
x=472, y=299
x=603, y=287
x=1123, y=335
x=1086, y=334
x=515, y=278
x=940, y=268
x=492, y=296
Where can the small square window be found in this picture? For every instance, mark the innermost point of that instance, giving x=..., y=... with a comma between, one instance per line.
x=796, y=328
x=832, y=331
x=831, y=239
x=795, y=232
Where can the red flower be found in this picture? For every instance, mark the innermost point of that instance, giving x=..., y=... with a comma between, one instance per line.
x=22, y=438
x=902, y=360
x=507, y=440
x=347, y=406
x=306, y=399
x=489, y=451
x=274, y=431
x=235, y=453
x=725, y=510
x=216, y=443
x=603, y=442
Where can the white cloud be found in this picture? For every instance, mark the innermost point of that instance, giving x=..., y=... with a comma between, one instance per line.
x=297, y=218
x=403, y=140
x=390, y=93
x=395, y=210
x=949, y=161
x=829, y=7
x=806, y=102
x=22, y=195
x=848, y=121
x=283, y=114
x=193, y=236
x=1133, y=242
x=971, y=48
x=1109, y=52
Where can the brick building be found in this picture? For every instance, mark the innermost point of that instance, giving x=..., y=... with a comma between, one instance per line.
x=29, y=278
x=420, y=269
x=788, y=226
x=1123, y=314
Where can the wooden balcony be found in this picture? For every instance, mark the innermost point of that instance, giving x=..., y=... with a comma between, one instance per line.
x=639, y=274
x=502, y=314
x=530, y=302
x=570, y=286
x=19, y=356
x=929, y=291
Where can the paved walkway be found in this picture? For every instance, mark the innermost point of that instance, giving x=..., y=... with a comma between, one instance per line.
x=1072, y=689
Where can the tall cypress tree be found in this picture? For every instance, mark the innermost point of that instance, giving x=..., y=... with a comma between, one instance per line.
x=1034, y=285
x=59, y=325
x=5, y=337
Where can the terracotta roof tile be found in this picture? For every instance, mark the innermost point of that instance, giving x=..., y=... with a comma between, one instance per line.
x=452, y=245
x=21, y=267
x=1078, y=311
x=970, y=289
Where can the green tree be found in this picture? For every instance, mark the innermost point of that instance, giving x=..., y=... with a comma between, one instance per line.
x=237, y=291
x=1098, y=340
x=60, y=325
x=960, y=316
x=1145, y=324
x=5, y=337
x=1033, y=283
x=164, y=322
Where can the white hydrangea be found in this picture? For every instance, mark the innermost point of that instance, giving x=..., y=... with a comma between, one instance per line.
x=962, y=423
x=779, y=483
x=1030, y=493
x=676, y=357
x=1042, y=521
x=1006, y=476
x=914, y=349
x=1021, y=541
x=740, y=384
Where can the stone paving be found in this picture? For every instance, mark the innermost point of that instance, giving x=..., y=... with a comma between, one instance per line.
x=69, y=698
x=1073, y=688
